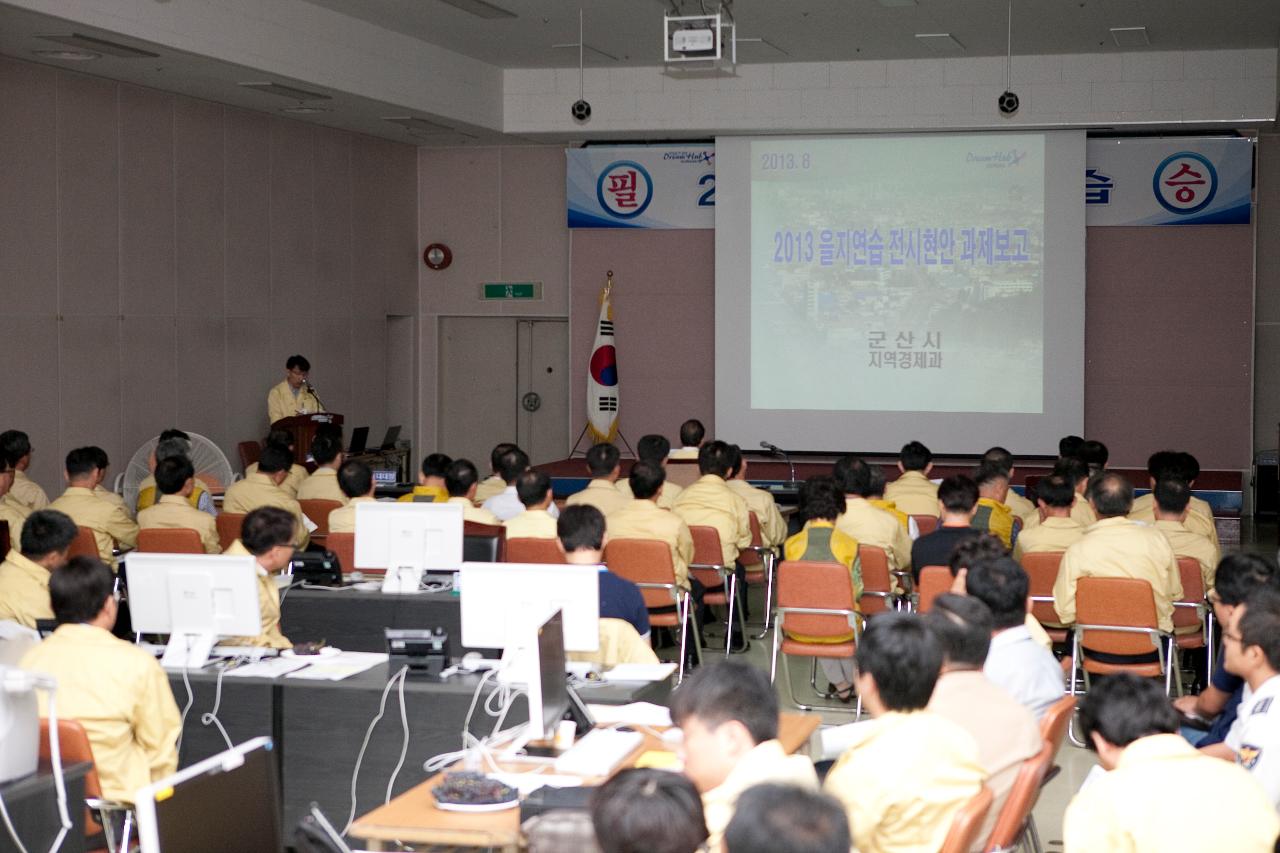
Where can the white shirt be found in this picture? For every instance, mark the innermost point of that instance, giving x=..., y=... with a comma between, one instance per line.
x=1020, y=665
x=1255, y=736
x=506, y=505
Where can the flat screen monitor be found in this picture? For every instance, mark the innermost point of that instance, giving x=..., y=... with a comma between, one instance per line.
x=549, y=693
x=194, y=598
x=228, y=802
x=407, y=539
x=503, y=603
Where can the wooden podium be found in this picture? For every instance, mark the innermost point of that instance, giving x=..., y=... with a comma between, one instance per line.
x=303, y=428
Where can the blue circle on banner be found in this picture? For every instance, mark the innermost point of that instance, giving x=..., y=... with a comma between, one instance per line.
x=604, y=366
x=622, y=198
x=1177, y=204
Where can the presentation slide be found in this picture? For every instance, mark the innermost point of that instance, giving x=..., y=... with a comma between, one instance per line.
x=915, y=286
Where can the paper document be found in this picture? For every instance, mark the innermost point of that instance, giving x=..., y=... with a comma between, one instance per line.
x=339, y=666
x=640, y=672
x=311, y=525
x=637, y=713
x=267, y=668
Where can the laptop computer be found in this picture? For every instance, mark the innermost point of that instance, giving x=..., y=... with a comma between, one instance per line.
x=389, y=440
x=359, y=438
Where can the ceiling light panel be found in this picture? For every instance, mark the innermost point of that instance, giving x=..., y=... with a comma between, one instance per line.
x=418, y=125
x=480, y=9
x=941, y=43
x=1130, y=36
x=102, y=46
x=293, y=93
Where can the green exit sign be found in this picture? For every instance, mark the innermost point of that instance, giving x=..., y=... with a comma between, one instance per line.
x=511, y=290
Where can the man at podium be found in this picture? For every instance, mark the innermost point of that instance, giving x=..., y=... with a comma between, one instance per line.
x=293, y=396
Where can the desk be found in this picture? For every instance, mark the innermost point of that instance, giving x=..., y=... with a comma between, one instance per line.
x=414, y=819
x=353, y=620
x=33, y=806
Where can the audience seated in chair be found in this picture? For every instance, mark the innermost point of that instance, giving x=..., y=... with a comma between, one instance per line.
x=431, y=481
x=991, y=514
x=1171, y=517
x=109, y=522
x=581, y=531
x=24, y=574
x=460, y=482
x=864, y=522
x=692, y=432
x=494, y=484
x=16, y=448
x=875, y=496
x=773, y=529
x=913, y=492
x=175, y=481
x=508, y=503
x=643, y=518
x=1251, y=650
x=264, y=488
x=355, y=479
x=1173, y=465
x=642, y=810
x=774, y=817
x=1076, y=473
x=536, y=522
x=654, y=448
x=1002, y=459
x=322, y=483
x=957, y=502
x=11, y=511
x=266, y=534
x=1056, y=530
x=171, y=443
x=295, y=472
x=709, y=501
x=601, y=491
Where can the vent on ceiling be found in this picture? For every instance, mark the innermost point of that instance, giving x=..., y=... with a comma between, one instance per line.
x=480, y=9
x=418, y=125
x=293, y=93
x=1130, y=36
x=896, y=4
x=97, y=45
x=940, y=42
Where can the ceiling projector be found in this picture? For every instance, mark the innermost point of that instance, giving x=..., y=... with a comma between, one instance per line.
x=693, y=41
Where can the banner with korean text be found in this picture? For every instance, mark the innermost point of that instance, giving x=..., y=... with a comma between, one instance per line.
x=1168, y=181
x=648, y=186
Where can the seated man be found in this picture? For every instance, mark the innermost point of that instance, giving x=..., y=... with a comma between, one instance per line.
x=293, y=396
x=110, y=524
x=865, y=523
x=24, y=575
x=654, y=448
x=507, y=504
x=956, y=502
x=773, y=529
x=772, y=817
x=536, y=522
x=581, y=532
x=909, y=770
x=1171, y=515
x=461, y=482
x=875, y=497
x=1128, y=722
x=264, y=487
x=1020, y=506
x=991, y=514
x=1015, y=660
x=1057, y=531
x=642, y=518
x=103, y=462
x=16, y=447
x=431, y=487
x=1077, y=474
x=493, y=484
x=728, y=713
x=692, y=432
x=116, y=690
x=322, y=483
x=267, y=535
x=1172, y=465
x=356, y=481
x=297, y=473
x=172, y=442
x=1095, y=455
x=644, y=810
x=1005, y=731
x=912, y=492
x=11, y=511
x=709, y=501
x=1120, y=548
x=176, y=481
x=601, y=491
x=1251, y=647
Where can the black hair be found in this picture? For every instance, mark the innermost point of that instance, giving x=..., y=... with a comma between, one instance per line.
x=958, y=493
x=459, y=477
x=1238, y=575
x=1056, y=491
x=735, y=460
x=1260, y=625
x=274, y=459
x=853, y=476
x=172, y=474
x=1000, y=458
x=80, y=462
x=692, y=432
x=875, y=481
x=602, y=459
x=1069, y=446
x=1073, y=469
x=1172, y=495
x=174, y=432
x=532, y=487
x=79, y=590
x=1162, y=463
x=903, y=657
x=355, y=478
x=963, y=625
x=644, y=810
x=266, y=527
x=495, y=455
x=325, y=448
x=1123, y=708
x=299, y=362
x=45, y=532
x=1188, y=467
x=821, y=499
x=714, y=458
x=279, y=438
x=988, y=473
x=435, y=465
x=730, y=690
x=1111, y=493
x=646, y=479
x=1002, y=585
x=100, y=457
x=580, y=526
x=981, y=545
x=14, y=444
x=1094, y=454
x=653, y=447
x=772, y=817
x=914, y=456
x=511, y=464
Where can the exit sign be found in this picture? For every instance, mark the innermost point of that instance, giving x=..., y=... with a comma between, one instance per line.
x=511, y=290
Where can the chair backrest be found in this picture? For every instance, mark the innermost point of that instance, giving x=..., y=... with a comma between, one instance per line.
x=875, y=578
x=748, y=557
x=212, y=483
x=1021, y=799
x=73, y=744
x=229, y=527
x=318, y=511
x=967, y=823
x=1192, y=591
x=926, y=523
x=1030, y=482
x=526, y=549
x=1124, y=602
x=934, y=581
x=706, y=545
x=483, y=543
x=84, y=545
x=249, y=453
x=823, y=585
x=343, y=546
x=170, y=540
x=4, y=539
x=1053, y=725
x=644, y=562
x=682, y=472
x=1042, y=571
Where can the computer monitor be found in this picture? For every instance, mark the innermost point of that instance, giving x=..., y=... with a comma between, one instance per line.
x=549, y=692
x=194, y=598
x=228, y=802
x=407, y=539
x=504, y=603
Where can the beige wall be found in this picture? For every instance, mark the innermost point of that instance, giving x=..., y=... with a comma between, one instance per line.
x=160, y=257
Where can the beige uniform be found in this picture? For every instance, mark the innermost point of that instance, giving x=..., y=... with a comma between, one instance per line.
x=110, y=497
x=488, y=487
x=683, y=453
x=121, y=696
x=268, y=608
x=646, y=520
x=292, y=482
x=1023, y=509
x=667, y=495
x=1128, y=810
x=709, y=501
x=619, y=643
x=773, y=527
x=1082, y=511
x=903, y=779
x=1199, y=516
x=343, y=519
x=282, y=402
x=913, y=493
x=871, y=525
x=1052, y=534
x=1120, y=548
x=258, y=490
x=531, y=524
x=110, y=524
x=471, y=512
x=601, y=494
x=27, y=492
x=322, y=485
x=173, y=511
x=767, y=762
x=15, y=513
x=24, y=590
x=1187, y=543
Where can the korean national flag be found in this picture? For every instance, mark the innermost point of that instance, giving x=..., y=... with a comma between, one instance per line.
x=602, y=375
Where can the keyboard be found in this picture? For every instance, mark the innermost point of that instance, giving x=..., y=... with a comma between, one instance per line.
x=599, y=752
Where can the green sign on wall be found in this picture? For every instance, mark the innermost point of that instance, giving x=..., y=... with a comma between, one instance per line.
x=511, y=290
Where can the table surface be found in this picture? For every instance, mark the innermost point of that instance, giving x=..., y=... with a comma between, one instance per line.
x=413, y=817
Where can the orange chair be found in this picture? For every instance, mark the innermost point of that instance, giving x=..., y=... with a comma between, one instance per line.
x=1042, y=572
x=229, y=527
x=721, y=583
x=1015, y=823
x=343, y=546
x=84, y=545
x=967, y=823
x=476, y=530
x=926, y=524
x=318, y=510
x=74, y=748
x=815, y=600
x=759, y=561
x=934, y=581
x=169, y=540
x=647, y=564
x=877, y=588
x=526, y=549
x=1053, y=725
x=1192, y=616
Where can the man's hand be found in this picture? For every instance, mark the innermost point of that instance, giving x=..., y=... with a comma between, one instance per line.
x=1186, y=704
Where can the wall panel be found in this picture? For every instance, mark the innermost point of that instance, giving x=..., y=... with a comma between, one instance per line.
x=29, y=203
x=146, y=202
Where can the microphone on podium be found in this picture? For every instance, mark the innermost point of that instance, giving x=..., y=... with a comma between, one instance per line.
x=778, y=451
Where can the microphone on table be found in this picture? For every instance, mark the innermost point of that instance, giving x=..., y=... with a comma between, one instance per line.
x=778, y=451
